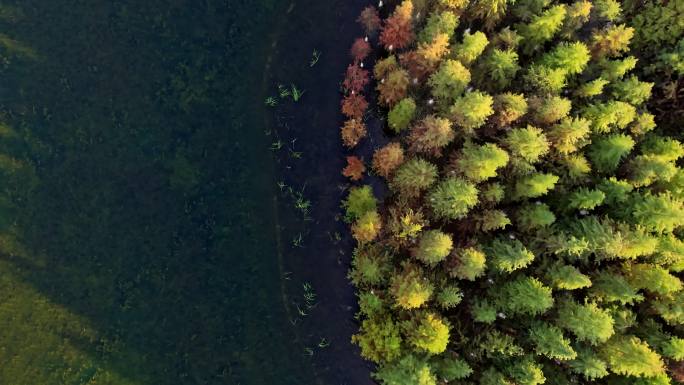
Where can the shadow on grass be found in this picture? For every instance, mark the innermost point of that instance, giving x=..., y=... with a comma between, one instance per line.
x=136, y=245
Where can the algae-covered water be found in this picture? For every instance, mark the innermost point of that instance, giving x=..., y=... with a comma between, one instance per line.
x=145, y=237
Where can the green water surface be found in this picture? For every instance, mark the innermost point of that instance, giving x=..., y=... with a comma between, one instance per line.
x=138, y=238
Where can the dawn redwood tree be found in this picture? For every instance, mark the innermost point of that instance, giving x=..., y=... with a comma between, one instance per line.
x=397, y=31
x=532, y=227
x=360, y=49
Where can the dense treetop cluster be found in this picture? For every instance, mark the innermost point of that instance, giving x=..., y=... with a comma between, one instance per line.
x=533, y=233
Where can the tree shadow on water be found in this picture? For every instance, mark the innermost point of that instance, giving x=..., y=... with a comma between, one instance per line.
x=136, y=246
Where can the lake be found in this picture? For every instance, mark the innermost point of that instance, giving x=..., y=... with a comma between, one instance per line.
x=159, y=222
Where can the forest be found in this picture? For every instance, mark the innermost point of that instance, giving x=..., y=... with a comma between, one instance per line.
x=519, y=219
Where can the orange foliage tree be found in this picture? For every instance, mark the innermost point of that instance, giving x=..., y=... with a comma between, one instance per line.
x=360, y=49
x=369, y=20
x=354, y=106
x=397, y=33
x=394, y=87
x=416, y=65
x=352, y=132
x=387, y=159
x=355, y=168
x=356, y=78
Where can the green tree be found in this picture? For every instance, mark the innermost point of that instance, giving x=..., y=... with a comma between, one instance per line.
x=674, y=348
x=483, y=311
x=490, y=220
x=652, y=278
x=587, y=322
x=606, y=152
x=628, y=355
x=542, y=28
x=528, y=143
x=670, y=308
x=607, y=9
x=550, y=109
x=667, y=149
x=589, y=364
x=524, y=296
x=632, y=90
x=453, y=198
x=427, y=332
x=616, y=191
x=410, y=288
x=491, y=193
x=612, y=70
x=660, y=213
x=569, y=134
x=613, y=287
x=571, y=57
x=577, y=167
x=592, y=88
x=648, y=169
x=490, y=11
x=548, y=340
x=585, y=199
x=508, y=255
x=576, y=16
x=408, y=370
x=508, y=107
x=401, y=115
x=495, y=344
x=449, y=296
x=450, y=368
x=370, y=304
x=644, y=122
x=545, y=80
x=507, y=38
x=433, y=246
x=471, y=48
x=492, y=376
x=525, y=372
x=404, y=225
x=413, y=177
x=370, y=265
x=449, y=81
x=611, y=41
x=379, y=339
x=479, y=163
x=359, y=201
x=498, y=69
x=566, y=277
x=367, y=227
x=607, y=116
x=437, y=23
x=534, y=216
x=471, y=110
x=469, y=263
x=534, y=185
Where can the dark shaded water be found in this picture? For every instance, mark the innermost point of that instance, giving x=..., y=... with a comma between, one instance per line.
x=144, y=238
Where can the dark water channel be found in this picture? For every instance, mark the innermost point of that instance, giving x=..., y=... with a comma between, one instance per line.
x=159, y=224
